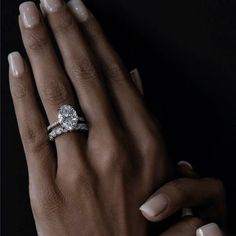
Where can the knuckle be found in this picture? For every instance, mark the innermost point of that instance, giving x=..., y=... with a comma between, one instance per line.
x=36, y=40
x=218, y=186
x=115, y=159
x=115, y=71
x=82, y=70
x=151, y=140
x=79, y=179
x=175, y=188
x=56, y=93
x=35, y=137
x=62, y=23
x=46, y=203
x=18, y=91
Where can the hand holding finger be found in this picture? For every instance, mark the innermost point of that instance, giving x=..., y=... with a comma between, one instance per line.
x=179, y=194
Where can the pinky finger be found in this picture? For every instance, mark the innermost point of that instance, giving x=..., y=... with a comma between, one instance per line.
x=32, y=126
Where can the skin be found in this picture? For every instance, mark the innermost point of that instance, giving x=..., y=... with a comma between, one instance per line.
x=205, y=196
x=95, y=184
x=89, y=185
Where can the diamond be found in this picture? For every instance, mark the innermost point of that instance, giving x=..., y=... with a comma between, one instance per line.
x=68, y=117
x=59, y=131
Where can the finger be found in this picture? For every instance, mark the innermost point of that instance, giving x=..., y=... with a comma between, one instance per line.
x=211, y=229
x=53, y=87
x=134, y=114
x=186, y=227
x=185, y=169
x=32, y=126
x=180, y=194
x=136, y=78
x=80, y=66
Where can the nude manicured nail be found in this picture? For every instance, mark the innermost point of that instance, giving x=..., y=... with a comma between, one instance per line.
x=52, y=5
x=187, y=212
x=155, y=205
x=135, y=75
x=79, y=9
x=16, y=64
x=209, y=230
x=185, y=163
x=30, y=14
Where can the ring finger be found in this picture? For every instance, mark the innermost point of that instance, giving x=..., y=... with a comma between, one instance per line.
x=53, y=87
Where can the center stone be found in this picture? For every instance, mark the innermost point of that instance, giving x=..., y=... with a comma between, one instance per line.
x=68, y=117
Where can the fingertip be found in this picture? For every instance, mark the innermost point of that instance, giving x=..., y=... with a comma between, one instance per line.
x=79, y=9
x=211, y=229
x=154, y=207
x=16, y=64
x=185, y=164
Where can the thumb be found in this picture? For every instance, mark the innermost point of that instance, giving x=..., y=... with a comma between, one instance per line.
x=179, y=194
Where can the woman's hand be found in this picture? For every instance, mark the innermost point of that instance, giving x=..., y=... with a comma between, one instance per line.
x=88, y=185
x=205, y=196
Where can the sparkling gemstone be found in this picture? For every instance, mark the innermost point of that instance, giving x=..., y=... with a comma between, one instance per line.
x=59, y=131
x=53, y=133
x=68, y=117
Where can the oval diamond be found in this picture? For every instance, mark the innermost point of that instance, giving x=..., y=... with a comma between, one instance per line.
x=68, y=117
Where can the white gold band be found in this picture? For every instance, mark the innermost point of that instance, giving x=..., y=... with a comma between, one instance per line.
x=59, y=131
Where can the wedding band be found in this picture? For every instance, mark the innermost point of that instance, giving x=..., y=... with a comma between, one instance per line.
x=68, y=121
x=59, y=131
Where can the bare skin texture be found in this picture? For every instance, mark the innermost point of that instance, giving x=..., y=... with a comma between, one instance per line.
x=86, y=185
x=90, y=185
x=202, y=201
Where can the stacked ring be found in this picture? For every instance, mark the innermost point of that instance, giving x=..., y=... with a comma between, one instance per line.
x=68, y=121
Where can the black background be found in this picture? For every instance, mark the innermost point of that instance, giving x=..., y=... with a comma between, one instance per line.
x=185, y=51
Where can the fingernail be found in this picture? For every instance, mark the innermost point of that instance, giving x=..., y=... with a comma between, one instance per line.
x=42, y=9
x=52, y=5
x=79, y=9
x=16, y=64
x=187, y=212
x=155, y=205
x=209, y=230
x=185, y=163
x=135, y=75
x=30, y=14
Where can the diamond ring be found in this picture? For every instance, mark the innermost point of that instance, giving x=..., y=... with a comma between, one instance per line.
x=68, y=121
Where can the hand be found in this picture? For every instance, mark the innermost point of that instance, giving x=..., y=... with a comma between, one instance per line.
x=205, y=196
x=88, y=185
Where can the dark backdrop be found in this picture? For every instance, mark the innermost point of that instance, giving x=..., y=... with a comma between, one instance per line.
x=185, y=51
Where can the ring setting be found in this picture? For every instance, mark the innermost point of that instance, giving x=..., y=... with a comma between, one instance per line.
x=68, y=121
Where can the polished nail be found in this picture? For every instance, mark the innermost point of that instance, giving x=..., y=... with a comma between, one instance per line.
x=135, y=75
x=52, y=5
x=30, y=14
x=79, y=9
x=209, y=230
x=16, y=64
x=155, y=205
x=185, y=163
x=187, y=212
x=42, y=9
